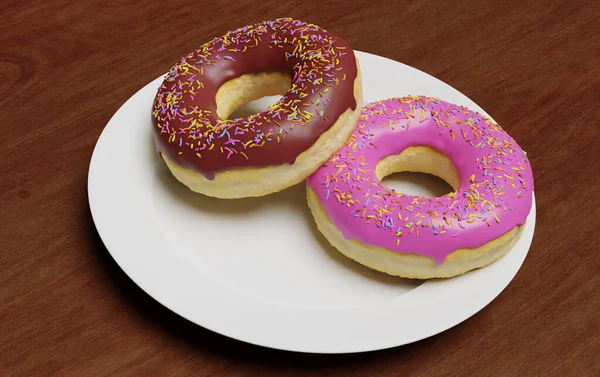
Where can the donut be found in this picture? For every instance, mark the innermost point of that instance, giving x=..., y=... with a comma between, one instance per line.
x=316, y=72
x=416, y=236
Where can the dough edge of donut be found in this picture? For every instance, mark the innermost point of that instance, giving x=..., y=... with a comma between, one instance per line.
x=256, y=182
x=407, y=265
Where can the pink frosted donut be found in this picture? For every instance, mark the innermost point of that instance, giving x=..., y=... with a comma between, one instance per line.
x=415, y=236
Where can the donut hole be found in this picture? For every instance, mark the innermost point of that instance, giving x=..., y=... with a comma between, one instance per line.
x=419, y=170
x=254, y=107
x=250, y=94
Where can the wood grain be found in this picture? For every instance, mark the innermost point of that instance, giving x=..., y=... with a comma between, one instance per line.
x=66, y=309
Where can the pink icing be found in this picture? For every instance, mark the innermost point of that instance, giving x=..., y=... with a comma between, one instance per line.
x=494, y=195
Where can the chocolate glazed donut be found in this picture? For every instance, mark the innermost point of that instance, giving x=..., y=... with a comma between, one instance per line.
x=188, y=125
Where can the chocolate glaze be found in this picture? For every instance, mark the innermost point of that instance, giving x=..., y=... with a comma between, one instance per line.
x=186, y=126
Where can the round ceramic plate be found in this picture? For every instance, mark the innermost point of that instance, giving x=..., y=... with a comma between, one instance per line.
x=257, y=270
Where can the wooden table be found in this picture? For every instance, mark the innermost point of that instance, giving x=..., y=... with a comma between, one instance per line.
x=66, y=66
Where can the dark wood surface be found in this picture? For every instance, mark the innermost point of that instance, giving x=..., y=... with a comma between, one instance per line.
x=66, y=66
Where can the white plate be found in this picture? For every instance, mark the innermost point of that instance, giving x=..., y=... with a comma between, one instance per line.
x=257, y=270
